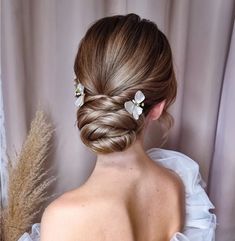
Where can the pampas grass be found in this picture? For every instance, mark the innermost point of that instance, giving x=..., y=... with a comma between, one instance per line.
x=28, y=181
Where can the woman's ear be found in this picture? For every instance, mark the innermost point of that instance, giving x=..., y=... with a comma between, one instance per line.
x=156, y=111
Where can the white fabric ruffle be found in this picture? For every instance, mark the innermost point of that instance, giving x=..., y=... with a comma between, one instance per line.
x=200, y=223
x=33, y=236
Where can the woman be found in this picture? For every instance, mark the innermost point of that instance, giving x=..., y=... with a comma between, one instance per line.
x=125, y=80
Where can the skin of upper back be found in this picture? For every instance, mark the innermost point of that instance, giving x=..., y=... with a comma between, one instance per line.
x=150, y=209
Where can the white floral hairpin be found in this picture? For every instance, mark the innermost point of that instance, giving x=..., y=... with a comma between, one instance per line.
x=135, y=106
x=79, y=93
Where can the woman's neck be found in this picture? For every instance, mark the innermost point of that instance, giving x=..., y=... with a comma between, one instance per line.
x=134, y=157
x=120, y=169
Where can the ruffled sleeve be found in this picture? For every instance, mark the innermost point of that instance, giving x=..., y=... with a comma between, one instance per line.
x=34, y=235
x=200, y=223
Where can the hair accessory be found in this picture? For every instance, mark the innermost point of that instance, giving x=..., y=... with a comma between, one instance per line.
x=79, y=93
x=135, y=106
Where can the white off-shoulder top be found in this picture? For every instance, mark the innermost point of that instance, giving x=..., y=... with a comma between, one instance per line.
x=200, y=223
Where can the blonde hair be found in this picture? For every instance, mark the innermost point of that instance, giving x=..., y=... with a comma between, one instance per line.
x=119, y=55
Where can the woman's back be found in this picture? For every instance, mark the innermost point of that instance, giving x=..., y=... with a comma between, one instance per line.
x=104, y=209
x=123, y=205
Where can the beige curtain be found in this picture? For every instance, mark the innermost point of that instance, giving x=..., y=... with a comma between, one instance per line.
x=39, y=42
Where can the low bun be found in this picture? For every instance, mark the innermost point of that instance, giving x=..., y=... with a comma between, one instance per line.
x=105, y=126
x=118, y=56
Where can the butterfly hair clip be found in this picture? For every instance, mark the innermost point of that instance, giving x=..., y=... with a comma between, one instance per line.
x=79, y=94
x=135, y=106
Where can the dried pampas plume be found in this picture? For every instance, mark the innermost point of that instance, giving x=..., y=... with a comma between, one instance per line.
x=28, y=181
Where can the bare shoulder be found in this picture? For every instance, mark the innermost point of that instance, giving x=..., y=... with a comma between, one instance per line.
x=175, y=184
x=177, y=194
x=169, y=179
x=173, y=203
x=66, y=218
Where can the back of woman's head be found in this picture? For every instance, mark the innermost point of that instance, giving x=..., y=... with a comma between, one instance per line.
x=118, y=56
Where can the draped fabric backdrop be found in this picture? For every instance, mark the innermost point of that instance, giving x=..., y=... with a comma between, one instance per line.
x=39, y=42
